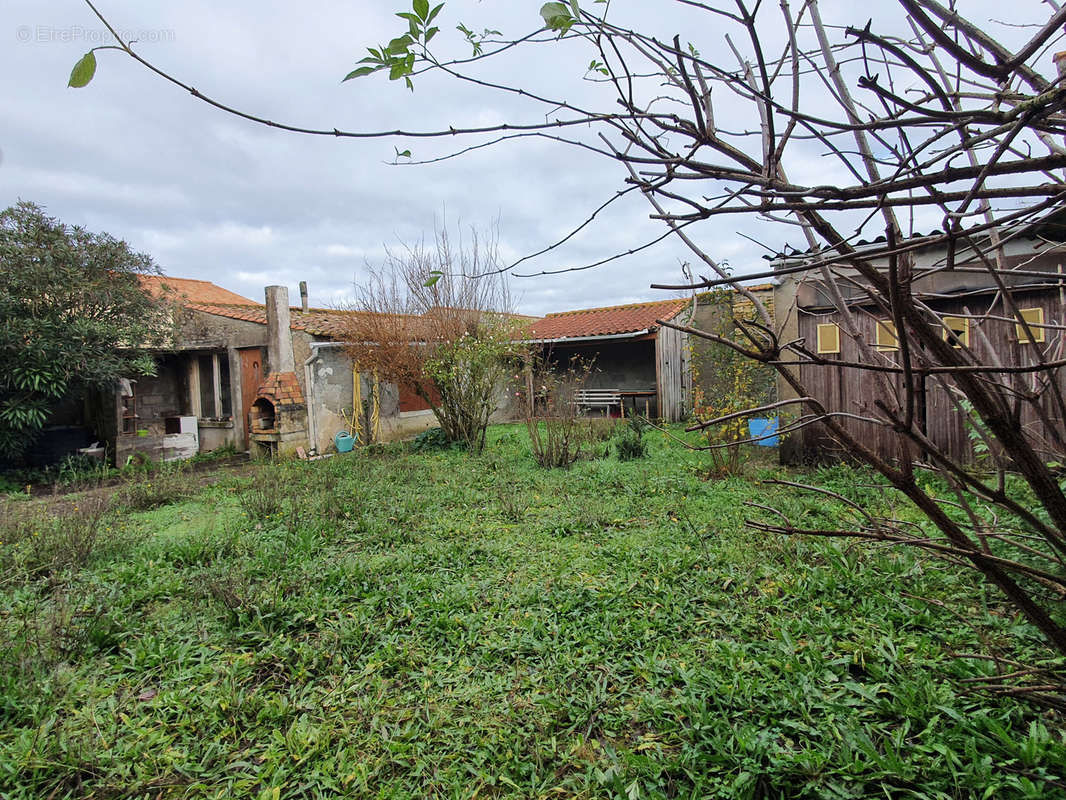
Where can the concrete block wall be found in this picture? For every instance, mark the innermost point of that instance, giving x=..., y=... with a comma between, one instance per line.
x=157, y=397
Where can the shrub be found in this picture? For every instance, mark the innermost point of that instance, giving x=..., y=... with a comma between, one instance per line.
x=432, y=328
x=631, y=444
x=724, y=382
x=431, y=439
x=557, y=432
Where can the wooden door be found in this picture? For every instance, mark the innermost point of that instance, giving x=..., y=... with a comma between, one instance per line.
x=251, y=380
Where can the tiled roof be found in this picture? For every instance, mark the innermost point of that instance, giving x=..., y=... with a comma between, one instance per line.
x=608, y=321
x=192, y=291
x=325, y=322
x=331, y=323
x=248, y=313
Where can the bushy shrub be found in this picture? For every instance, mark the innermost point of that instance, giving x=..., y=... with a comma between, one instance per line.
x=431, y=439
x=631, y=445
x=557, y=432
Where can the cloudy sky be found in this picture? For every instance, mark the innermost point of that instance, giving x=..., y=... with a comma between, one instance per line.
x=213, y=197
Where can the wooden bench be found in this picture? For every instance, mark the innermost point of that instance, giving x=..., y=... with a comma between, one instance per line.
x=592, y=398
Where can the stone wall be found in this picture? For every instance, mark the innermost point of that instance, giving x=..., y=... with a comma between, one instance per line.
x=202, y=331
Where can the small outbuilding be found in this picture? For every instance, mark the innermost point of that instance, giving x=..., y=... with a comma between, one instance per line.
x=638, y=364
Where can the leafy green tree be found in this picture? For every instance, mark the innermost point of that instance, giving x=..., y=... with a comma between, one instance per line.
x=74, y=317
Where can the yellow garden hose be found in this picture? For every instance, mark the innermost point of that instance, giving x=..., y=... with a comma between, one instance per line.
x=375, y=409
x=357, y=405
x=357, y=408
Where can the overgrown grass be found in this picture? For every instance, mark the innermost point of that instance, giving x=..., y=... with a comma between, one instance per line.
x=445, y=625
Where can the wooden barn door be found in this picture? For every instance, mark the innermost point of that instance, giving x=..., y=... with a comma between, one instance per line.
x=251, y=380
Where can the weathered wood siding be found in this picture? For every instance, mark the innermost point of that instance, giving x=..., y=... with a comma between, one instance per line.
x=994, y=341
x=848, y=391
x=672, y=371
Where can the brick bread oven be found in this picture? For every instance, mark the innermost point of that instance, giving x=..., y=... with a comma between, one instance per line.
x=278, y=417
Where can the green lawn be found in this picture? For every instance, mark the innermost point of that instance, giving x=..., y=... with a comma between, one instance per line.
x=444, y=625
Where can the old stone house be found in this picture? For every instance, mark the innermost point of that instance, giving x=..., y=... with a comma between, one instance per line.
x=272, y=378
x=263, y=377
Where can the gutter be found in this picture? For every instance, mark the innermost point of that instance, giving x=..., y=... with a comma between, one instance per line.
x=602, y=338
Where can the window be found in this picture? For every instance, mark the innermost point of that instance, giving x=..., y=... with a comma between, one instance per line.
x=887, y=338
x=210, y=387
x=1034, y=318
x=206, y=369
x=829, y=338
x=956, y=331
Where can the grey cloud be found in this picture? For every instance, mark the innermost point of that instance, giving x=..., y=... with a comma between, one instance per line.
x=216, y=198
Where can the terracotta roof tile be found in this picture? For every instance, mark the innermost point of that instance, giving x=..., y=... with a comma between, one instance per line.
x=331, y=323
x=191, y=291
x=607, y=321
x=325, y=322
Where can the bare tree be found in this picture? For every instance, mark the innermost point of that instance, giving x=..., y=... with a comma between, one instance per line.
x=424, y=324
x=902, y=157
x=558, y=432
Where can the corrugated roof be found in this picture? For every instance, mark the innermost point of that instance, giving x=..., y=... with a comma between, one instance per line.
x=192, y=291
x=1051, y=225
x=607, y=321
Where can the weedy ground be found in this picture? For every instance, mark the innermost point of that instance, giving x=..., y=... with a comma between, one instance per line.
x=435, y=624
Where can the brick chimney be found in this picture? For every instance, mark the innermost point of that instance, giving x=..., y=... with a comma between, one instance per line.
x=303, y=296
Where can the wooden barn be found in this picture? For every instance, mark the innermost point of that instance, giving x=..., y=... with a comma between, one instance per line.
x=973, y=314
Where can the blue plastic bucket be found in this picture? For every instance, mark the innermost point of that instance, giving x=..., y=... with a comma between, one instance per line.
x=764, y=430
x=344, y=441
